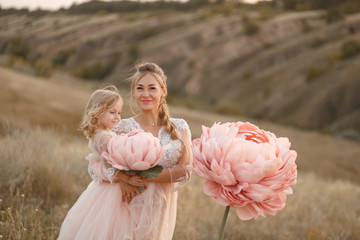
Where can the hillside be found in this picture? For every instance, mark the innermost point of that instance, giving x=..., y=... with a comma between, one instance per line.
x=291, y=68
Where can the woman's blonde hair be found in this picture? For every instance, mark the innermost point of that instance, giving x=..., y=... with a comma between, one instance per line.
x=99, y=102
x=163, y=110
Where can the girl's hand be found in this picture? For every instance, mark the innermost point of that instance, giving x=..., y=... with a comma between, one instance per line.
x=136, y=181
x=128, y=191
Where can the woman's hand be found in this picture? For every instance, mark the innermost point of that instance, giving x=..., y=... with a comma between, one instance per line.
x=128, y=191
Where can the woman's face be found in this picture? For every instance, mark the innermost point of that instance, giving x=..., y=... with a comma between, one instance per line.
x=148, y=93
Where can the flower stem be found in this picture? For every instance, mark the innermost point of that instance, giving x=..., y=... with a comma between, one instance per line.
x=226, y=213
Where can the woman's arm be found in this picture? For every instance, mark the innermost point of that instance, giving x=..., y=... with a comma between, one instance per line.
x=178, y=173
x=182, y=170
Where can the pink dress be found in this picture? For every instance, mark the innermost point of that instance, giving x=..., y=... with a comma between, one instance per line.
x=99, y=213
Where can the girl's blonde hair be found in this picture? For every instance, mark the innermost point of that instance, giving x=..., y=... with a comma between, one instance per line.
x=163, y=110
x=99, y=102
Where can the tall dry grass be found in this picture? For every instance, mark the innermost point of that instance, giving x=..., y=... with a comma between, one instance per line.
x=43, y=173
x=318, y=209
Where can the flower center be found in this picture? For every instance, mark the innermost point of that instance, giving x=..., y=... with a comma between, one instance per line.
x=255, y=136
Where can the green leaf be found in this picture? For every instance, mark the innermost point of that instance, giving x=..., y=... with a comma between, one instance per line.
x=149, y=173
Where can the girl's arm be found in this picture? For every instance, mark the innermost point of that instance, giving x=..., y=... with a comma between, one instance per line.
x=126, y=178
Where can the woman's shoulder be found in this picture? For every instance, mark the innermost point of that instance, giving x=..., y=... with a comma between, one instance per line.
x=180, y=124
x=125, y=125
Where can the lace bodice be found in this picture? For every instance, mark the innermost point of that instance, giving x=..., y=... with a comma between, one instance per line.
x=171, y=155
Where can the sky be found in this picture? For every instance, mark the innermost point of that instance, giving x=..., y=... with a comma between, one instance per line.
x=49, y=4
x=34, y=4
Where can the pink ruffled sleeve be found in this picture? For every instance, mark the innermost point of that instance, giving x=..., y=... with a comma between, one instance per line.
x=99, y=169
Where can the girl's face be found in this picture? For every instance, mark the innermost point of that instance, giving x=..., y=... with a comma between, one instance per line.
x=111, y=117
x=148, y=93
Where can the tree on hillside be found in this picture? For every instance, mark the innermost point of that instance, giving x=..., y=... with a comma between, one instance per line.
x=94, y=6
x=345, y=6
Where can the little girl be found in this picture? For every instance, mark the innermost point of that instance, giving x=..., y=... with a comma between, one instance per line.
x=100, y=212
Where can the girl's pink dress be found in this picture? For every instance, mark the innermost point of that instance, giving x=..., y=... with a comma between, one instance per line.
x=100, y=214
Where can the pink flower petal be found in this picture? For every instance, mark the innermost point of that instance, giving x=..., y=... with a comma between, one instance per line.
x=140, y=166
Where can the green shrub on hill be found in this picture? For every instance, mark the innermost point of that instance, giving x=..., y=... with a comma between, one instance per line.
x=96, y=70
x=306, y=27
x=101, y=13
x=250, y=26
x=148, y=32
x=334, y=58
x=334, y=14
x=248, y=74
x=266, y=12
x=19, y=47
x=19, y=64
x=350, y=48
x=222, y=9
x=62, y=56
x=190, y=63
x=318, y=42
x=314, y=72
x=266, y=93
x=133, y=54
x=15, y=60
x=43, y=68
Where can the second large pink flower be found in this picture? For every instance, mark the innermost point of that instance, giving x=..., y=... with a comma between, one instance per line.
x=246, y=168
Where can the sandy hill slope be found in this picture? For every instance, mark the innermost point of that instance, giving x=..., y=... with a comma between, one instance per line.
x=29, y=99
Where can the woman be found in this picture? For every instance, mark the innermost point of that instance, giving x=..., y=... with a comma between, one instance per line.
x=153, y=211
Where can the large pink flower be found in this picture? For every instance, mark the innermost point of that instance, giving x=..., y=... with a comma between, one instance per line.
x=246, y=168
x=136, y=150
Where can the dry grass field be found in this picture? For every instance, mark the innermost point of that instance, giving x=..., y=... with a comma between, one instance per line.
x=44, y=171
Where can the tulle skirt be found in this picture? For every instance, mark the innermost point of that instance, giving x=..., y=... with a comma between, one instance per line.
x=99, y=213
